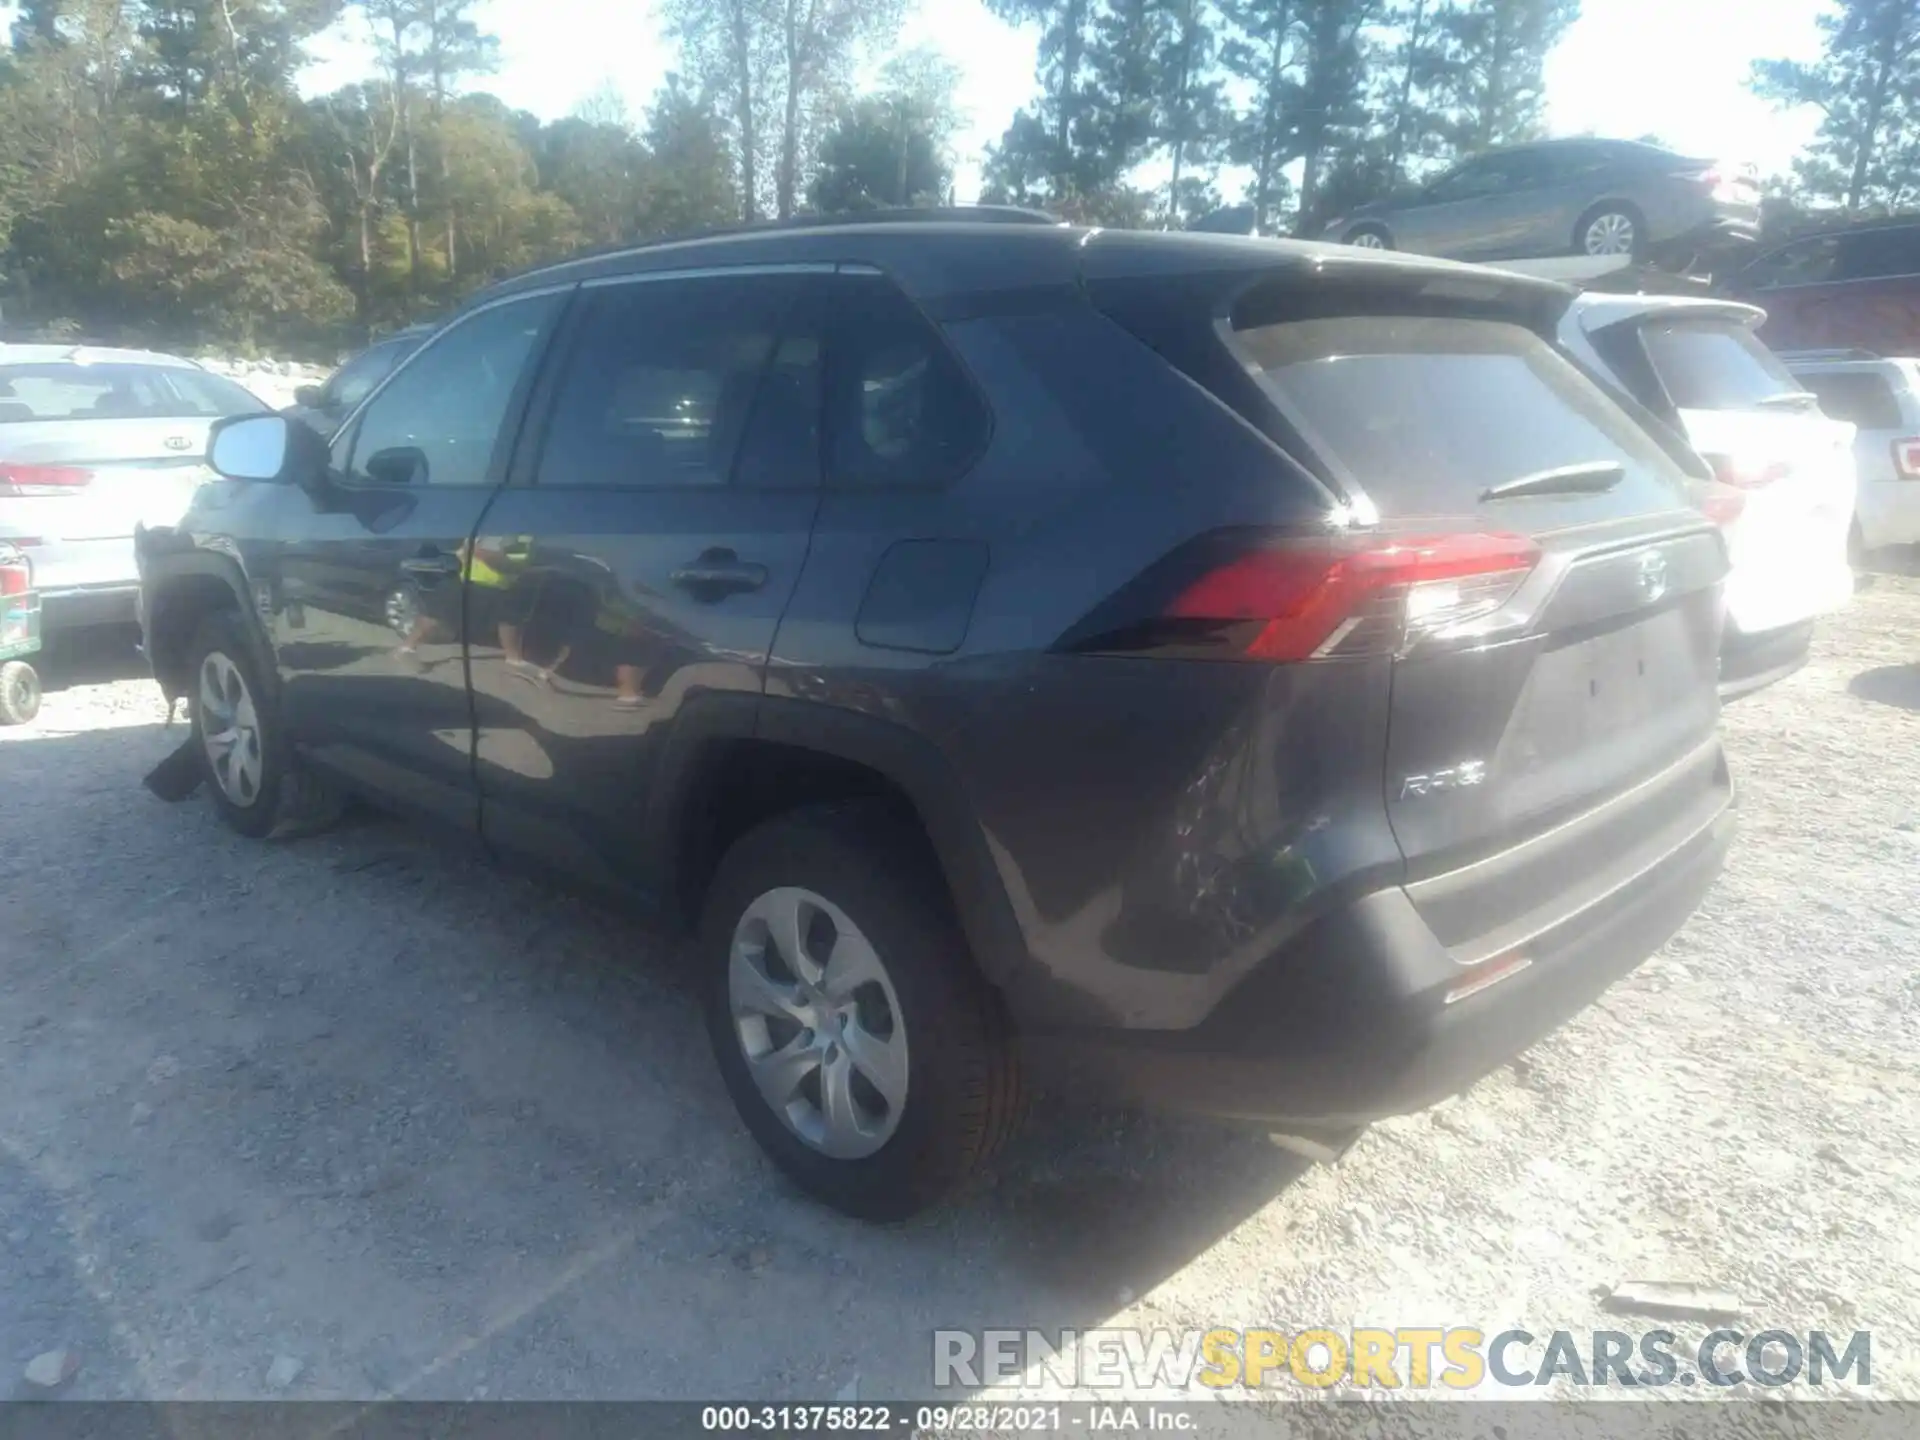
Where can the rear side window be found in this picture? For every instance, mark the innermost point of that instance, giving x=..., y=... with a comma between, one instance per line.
x=1714, y=365
x=1860, y=396
x=1878, y=254
x=900, y=412
x=1427, y=412
x=74, y=391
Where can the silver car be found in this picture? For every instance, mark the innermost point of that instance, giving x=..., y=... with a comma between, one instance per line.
x=94, y=441
x=1881, y=397
x=1567, y=197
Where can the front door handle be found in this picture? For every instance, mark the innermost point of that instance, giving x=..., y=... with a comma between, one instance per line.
x=431, y=566
x=718, y=573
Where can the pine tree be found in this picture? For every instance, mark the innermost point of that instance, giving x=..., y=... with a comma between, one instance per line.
x=1867, y=86
x=1489, y=67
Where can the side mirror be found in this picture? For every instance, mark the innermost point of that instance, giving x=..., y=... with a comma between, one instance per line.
x=269, y=448
x=313, y=397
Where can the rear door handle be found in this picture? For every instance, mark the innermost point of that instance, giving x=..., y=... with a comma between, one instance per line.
x=719, y=573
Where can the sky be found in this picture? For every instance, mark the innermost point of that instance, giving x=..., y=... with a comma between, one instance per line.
x=1671, y=68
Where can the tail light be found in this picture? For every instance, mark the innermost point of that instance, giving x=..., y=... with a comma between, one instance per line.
x=1723, y=504
x=18, y=480
x=16, y=574
x=1906, y=458
x=1733, y=183
x=1747, y=474
x=1293, y=600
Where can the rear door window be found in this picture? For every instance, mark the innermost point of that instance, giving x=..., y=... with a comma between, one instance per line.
x=1879, y=254
x=1715, y=365
x=1859, y=396
x=1424, y=413
x=688, y=384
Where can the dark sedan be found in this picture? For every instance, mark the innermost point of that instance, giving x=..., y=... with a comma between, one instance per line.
x=325, y=406
x=1567, y=197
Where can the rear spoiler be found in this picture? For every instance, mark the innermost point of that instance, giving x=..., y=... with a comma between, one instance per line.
x=1226, y=273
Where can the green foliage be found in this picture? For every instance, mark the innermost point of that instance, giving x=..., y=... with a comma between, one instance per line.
x=881, y=153
x=1866, y=84
x=161, y=180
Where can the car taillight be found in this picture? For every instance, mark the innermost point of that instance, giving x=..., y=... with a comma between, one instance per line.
x=18, y=480
x=16, y=574
x=1747, y=474
x=1722, y=504
x=1906, y=458
x=1725, y=182
x=1333, y=597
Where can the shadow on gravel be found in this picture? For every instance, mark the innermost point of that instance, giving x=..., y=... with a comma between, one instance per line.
x=1896, y=685
x=436, y=1073
x=91, y=657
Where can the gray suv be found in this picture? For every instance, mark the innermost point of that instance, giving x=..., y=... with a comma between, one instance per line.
x=1263, y=678
x=1567, y=197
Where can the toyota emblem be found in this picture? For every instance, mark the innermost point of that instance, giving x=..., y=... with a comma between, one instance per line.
x=1653, y=577
x=178, y=442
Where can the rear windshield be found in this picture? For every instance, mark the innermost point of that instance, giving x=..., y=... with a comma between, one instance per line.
x=1426, y=412
x=1714, y=365
x=1859, y=396
x=68, y=390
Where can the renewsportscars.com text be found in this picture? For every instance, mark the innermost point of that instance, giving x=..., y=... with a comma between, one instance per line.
x=1455, y=1358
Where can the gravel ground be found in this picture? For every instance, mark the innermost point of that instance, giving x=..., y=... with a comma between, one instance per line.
x=399, y=1124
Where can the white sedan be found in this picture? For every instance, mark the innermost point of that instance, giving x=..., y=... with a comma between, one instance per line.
x=94, y=441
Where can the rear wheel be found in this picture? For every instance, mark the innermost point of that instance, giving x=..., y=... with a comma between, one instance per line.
x=862, y=1048
x=19, y=692
x=1610, y=230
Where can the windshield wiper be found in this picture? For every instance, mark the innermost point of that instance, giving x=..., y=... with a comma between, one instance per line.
x=1789, y=400
x=1589, y=478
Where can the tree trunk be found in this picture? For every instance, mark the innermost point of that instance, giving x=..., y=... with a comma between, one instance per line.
x=743, y=110
x=1270, y=121
x=786, y=176
x=1415, y=33
x=1072, y=46
x=1868, y=144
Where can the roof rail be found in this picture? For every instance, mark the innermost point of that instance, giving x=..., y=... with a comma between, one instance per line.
x=1853, y=352
x=923, y=215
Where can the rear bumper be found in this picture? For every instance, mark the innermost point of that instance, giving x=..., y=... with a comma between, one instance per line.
x=1753, y=662
x=1350, y=1023
x=1889, y=513
x=83, y=606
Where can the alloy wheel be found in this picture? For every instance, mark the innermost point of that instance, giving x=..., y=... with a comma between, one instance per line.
x=1368, y=240
x=230, y=730
x=1610, y=234
x=818, y=1022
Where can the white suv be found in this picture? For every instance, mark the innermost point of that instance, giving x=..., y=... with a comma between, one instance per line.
x=1881, y=398
x=1787, y=468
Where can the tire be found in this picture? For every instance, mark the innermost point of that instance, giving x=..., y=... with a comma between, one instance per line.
x=854, y=868
x=1620, y=221
x=283, y=799
x=19, y=692
x=1368, y=237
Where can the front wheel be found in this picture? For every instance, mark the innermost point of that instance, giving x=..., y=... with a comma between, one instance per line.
x=236, y=726
x=1369, y=237
x=859, y=1043
x=19, y=693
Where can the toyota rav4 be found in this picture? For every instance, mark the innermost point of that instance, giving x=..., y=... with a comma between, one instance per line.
x=1264, y=678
